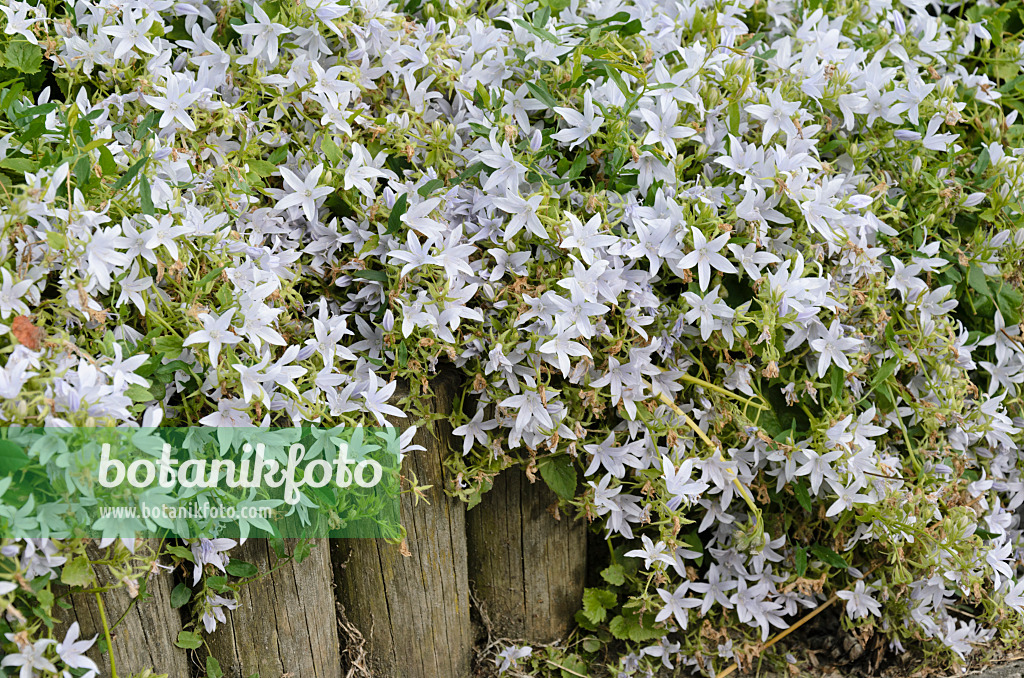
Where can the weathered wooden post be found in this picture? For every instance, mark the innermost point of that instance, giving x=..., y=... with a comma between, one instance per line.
x=286, y=623
x=410, y=601
x=526, y=566
x=144, y=638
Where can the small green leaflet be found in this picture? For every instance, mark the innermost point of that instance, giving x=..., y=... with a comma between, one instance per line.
x=188, y=640
x=180, y=596
x=539, y=32
x=23, y=56
x=578, y=165
x=127, y=177
x=614, y=574
x=395, y=219
x=379, y=276
x=976, y=279
x=884, y=372
x=828, y=556
x=77, y=573
x=426, y=189
x=145, y=196
x=560, y=475
x=800, y=490
x=800, y=560
x=596, y=603
x=241, y=569
x=262, y=168
x=540, y=92
x=331, y=151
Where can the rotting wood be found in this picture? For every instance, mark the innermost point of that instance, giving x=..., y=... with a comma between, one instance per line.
x=526, y=567
x=285, y=623
x=413, y=610
x=143, y=640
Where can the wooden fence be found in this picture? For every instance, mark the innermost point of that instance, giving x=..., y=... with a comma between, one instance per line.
x=365, y=607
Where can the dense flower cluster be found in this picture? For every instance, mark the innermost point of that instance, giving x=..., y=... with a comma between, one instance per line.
x=750, y=270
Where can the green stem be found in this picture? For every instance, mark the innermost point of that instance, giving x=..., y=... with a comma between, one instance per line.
x=718, y=389
x=106, y=634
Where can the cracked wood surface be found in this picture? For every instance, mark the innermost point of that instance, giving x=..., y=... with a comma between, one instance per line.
x=285, y=623
x=144, y=639
x=413, y=610
x=526, y=567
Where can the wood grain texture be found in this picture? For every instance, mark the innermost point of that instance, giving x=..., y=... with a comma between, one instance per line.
x=413, y=610
x=143, y=640
x=285, y=623
x=526, y=567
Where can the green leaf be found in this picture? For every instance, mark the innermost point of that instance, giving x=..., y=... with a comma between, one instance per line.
x=800, y=490
x=209, y=277
x=976, y=279
x=188, y=640
x=539, y=32
x=12, y=457
x=560, y=475
x=800, y=560
x=180, y=596
x=83, y=171
x=828, y=556
x=1010, y=302
x=578, y=165
x=884, y=372
x=629, y=28
x=630, y=626
x=167, y=344
x=127, y=177
x=614, y=574
x=470, y=171
x=302, y=550
x=23, y=56
x=145, y=196
x=55, y=241
x=379, y=276
x=429, y=187
x=571, y=666
x=181, y=552
x=139, y=394
x=78, y=572
x=106, y=161
x=837, y=377
x=218, y=583
x=19, y=164
x=261, y=168
x=213, y=669
x=241, y=569
x=278, y=156
x=596, y=603
x=331, y=151
x=540, y=92
x=45, y=597
x=395, y=218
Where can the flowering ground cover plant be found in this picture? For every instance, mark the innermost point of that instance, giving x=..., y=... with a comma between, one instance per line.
x=740, y=281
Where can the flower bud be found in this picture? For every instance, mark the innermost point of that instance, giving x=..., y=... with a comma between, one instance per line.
x=536, y=139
